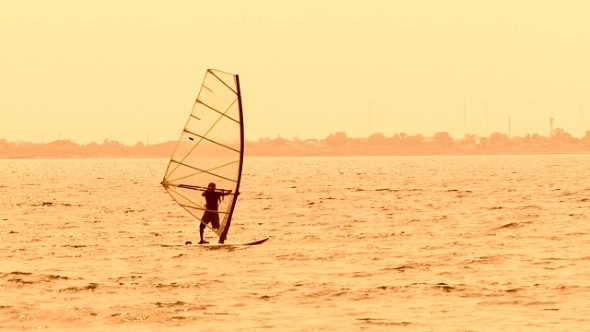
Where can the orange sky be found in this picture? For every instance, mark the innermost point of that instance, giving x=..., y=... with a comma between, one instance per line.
x=87, y=71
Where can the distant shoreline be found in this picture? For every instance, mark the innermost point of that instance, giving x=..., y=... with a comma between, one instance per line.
x=325, y=153
x=310, y=148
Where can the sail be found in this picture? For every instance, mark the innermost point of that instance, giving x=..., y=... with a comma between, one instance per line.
x=210, y=149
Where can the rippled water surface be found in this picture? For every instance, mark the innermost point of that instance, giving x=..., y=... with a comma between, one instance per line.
x=457, y=243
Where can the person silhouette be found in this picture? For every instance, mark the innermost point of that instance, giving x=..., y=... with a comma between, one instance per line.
x=212, y=199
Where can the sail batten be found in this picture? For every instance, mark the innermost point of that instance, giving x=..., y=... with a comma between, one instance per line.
x=210, y=149
x=214, y=142
x=219, y=112
x=213, y=73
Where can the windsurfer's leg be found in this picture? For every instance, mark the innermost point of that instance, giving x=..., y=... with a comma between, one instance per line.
x=204, y=220
x=215, y=225
x=201, y=230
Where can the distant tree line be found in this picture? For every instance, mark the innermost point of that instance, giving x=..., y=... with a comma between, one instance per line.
x=440, y=143
x=67, y=148
x=336, y=143
x=441, y=139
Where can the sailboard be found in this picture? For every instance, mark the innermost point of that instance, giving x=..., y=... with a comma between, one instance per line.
x=218, y=245
x=210, y=149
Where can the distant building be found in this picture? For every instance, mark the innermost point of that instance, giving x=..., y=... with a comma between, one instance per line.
x=62, y=143
x=311, y=142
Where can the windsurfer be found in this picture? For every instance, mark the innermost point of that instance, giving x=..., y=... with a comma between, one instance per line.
x=212, y=199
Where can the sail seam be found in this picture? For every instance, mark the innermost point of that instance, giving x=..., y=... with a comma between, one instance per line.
x=201, y=171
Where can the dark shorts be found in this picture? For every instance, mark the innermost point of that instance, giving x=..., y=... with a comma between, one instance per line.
x=211, y=217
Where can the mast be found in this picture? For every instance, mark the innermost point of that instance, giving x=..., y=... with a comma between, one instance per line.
x=223, y=235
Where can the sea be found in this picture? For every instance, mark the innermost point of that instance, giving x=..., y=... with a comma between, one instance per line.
x=389, y=243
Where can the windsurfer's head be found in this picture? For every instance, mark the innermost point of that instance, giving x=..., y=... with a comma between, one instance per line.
x=211, y=186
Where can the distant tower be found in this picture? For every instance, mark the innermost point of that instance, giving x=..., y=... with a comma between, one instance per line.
x=551, y=123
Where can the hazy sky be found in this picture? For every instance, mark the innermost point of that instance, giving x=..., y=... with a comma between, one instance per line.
x=89, y=70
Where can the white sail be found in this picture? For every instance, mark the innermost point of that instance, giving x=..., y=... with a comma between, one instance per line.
x=210, y=149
